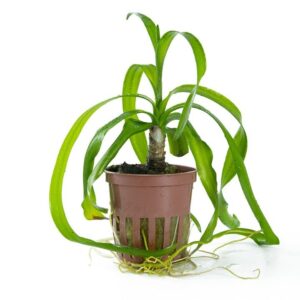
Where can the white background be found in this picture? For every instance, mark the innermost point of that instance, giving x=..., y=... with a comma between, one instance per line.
x=58, y=58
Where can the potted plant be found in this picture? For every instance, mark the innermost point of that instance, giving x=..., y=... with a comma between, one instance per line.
x=150, y=201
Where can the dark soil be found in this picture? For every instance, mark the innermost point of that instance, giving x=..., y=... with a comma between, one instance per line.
x=141, y=169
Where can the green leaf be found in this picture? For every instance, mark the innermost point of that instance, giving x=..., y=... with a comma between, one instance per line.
x=203, y=158
x=213, y=96
x=91, y=210
x=196, y=222
x=230, y=221
x=207, y=236
x=161, y=51
x=55, y=194
x=178, y=147
x=201, y=68
x=131, y=127
x=269, y=236
x=240, y=138
x=196, y=46
x=152, y=29
x=199, y=55
x=257, y=237
x=130, y=86
x=229, y=171
x=200, y=60
x=151, y=73
x=241, y=171
x=185, y=114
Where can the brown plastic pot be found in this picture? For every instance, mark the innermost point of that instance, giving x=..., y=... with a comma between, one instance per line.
x=152, y=207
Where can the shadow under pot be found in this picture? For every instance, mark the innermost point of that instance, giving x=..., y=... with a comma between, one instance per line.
x=151, y=210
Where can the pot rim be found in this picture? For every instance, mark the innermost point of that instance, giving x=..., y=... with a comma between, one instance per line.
x=190, y=170
x=158, y=180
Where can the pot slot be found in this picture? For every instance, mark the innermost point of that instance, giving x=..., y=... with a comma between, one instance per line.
x=151, y=233
x=129, y=231
x=159, y=232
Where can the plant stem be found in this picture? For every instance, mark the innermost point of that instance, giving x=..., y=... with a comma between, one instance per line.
x=156, y=150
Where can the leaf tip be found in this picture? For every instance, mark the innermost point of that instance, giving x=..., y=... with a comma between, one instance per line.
x=236, y=221
x=136, y=14
x=128, y=15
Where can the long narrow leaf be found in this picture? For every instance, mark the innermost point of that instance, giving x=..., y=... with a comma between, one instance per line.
x=201, y=68
x=91, y=210
x=152, y=29
x=227, y=219
x=130, y=86
x=203, y=158
x=131, y=127
x=196, y=222
x=240, y=138
x=178, y=147
x=161, y=51
x=213, y=96
x=257, y=237
x=229, y=171
x=196, y=46
x=269, y=236
x=151, y=73
x=199, y=55
x=238, y=161
x=185, y=114
x=55, y=194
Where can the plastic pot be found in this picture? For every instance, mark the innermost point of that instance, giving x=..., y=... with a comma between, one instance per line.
x=152, y=209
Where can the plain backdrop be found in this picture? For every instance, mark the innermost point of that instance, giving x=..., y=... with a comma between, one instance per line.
x=58, y=58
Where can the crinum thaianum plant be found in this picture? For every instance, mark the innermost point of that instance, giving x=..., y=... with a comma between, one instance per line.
x=182, y=139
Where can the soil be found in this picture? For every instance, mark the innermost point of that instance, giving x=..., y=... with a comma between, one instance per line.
x=142, y=169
